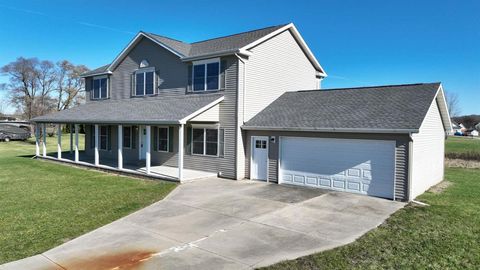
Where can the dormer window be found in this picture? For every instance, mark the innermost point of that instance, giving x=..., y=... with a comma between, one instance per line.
x=100, y=87
x=206, y=75
x=145, y=82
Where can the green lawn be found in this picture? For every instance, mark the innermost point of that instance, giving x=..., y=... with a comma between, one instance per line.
x=462, y=145
x=43, y=204
x=444, y=235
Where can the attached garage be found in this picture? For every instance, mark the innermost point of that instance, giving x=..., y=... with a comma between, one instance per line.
x=359, y=166
x=378, y=141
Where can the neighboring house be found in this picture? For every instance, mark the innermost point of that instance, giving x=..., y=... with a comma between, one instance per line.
x=230, y=106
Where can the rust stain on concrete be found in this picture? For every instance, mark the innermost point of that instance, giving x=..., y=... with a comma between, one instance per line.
x=120, y=261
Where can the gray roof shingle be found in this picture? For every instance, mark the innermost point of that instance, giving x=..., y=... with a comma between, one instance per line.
x=99, y=70
x=394, y=107
x=168, y=110
x=206, y=47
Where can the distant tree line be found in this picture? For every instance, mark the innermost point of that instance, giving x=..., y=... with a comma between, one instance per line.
x=37, y=87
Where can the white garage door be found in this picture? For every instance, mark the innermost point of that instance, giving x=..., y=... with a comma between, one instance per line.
x=360, y=166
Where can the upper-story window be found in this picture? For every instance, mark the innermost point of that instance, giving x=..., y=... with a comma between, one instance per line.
x=145, y=82
x=100, y=87
x=206, y=75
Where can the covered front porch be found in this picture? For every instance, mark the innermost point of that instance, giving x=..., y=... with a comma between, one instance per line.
x=163, y=172
x=116, y=141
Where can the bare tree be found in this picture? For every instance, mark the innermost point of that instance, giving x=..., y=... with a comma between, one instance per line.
x=453, y=104
x=22, y=85
x=70, y=86
x=39, y=87
x=46, y=76
x=3, y=106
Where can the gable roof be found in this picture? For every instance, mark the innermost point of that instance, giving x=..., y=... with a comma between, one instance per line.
x=168, y=110
x=236, y=43
x=391, y=108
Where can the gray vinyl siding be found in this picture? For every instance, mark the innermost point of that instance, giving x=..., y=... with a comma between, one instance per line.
x=171, y=72
x=401, y=153
x=223, y=165
x=276, y=66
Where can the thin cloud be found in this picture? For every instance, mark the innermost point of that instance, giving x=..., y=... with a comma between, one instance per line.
x=104, y=27
x=87, y=24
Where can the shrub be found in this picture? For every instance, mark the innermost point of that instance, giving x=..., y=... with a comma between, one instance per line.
x=465, y=155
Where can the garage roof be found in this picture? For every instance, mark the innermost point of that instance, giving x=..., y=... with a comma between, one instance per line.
x=390, y=108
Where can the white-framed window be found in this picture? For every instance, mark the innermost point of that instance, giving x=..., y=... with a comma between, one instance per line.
x=145, y=82
x=205, y=141
x=206, y=75
x=127, y=137
x=163, y=139
x=100, y=87
x=103, y=137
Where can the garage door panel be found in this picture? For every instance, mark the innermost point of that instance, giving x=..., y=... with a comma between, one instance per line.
x=361, y=166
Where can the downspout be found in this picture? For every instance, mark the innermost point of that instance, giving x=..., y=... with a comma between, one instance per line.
x=410, y=162
x=244, y=84
x=238, y=132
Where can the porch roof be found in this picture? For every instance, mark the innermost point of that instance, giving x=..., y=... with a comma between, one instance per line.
x=167, y=110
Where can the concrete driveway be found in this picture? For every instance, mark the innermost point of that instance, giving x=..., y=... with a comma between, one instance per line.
x=221, y=224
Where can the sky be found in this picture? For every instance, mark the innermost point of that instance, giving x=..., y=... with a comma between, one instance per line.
x=358, y=43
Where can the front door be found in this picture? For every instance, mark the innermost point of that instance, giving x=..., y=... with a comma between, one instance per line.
x=142, y=142
x=259, y=158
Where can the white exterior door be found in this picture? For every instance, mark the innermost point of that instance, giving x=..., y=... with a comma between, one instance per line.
x=259, y=161
x=359, y=166
x=142, y=142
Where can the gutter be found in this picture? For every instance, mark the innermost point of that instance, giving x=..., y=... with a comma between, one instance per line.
x=352, y=130
x=215, y=54
x=96, y=74
x=132, y=122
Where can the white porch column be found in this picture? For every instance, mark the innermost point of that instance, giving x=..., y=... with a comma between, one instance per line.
x=120, y=147
x=97, y=156
x=44, y=139
x=147, y=146
x=71, y=138
x=180, y=152
x=37, y=140
x=59, y=141
x=77, y=155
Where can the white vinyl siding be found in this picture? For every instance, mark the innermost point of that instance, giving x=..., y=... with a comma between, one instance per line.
x=428, y=153
x=276, y=66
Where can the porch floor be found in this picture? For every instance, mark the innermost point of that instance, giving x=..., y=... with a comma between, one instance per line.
x=156, y=171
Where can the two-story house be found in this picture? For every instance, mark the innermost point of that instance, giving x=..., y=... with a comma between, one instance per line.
x=230, y=107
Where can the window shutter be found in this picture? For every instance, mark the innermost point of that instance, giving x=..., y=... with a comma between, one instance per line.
x=134, y=137
x=223, y=69
x=132, y=84
x=190, y=79
x=109, y=138
x=155, y=138
x=221, y=139
x=157, y=82
x=92, y=136
x=170, y=139
x=188, y=151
